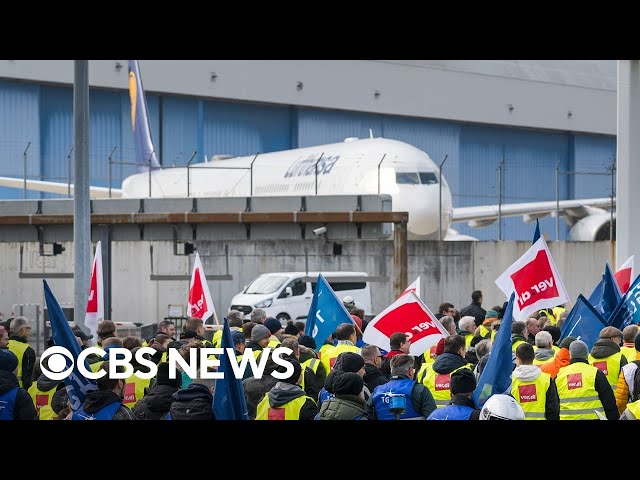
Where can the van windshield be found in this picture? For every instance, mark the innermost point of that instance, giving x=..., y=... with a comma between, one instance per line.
x=266, y=284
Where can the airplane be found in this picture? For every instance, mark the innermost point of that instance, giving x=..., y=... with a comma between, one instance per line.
x=355, y=166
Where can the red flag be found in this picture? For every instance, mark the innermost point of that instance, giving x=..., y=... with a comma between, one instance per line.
x=200, y=304
x=535, y=279
x=408, y=314
x=625, y=275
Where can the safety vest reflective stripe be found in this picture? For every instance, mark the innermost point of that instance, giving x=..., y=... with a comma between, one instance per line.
x=18, y=348
x=580, y=399
x=610, y=366
x=532, y=395
x=582, y=411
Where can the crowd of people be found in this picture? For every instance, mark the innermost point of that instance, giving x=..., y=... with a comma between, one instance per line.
x=344, y=378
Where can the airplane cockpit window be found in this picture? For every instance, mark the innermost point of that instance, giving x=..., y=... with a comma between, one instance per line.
x=416, y=178
x=407, y=178
x=428, y=178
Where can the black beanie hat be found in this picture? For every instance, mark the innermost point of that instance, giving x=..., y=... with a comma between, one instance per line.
x=307, y=341
x=462, y=381
x=163, y=376
x=348, y=383
x=349, y=362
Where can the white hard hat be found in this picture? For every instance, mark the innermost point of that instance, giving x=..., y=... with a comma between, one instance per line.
x=501, y=407
x=348, y=300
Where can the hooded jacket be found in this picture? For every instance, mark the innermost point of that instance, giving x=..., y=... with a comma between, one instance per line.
x=373, y=377
x=545, y=354
x=344, y=407
x=156, y=403
x=193, y=403
x=529, y=373
x=98, y=399
x=23, y=408
x=448, y=362
x=561, y=359
x=604, y=348
x=283, y=393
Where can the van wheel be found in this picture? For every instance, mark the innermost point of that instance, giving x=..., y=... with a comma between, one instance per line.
x=283, y=317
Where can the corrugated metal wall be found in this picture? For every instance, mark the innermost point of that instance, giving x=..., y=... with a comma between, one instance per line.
x=530, y=160
x=19, y=125
x=593, y=154
x=242, y=129
x=43, y=115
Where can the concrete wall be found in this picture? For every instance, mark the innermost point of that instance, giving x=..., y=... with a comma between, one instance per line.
x=472, y=91
x=449, y=271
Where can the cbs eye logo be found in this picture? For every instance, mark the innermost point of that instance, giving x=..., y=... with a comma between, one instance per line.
x=56, y=363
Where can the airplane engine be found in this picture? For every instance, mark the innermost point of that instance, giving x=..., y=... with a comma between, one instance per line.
x=593, y=228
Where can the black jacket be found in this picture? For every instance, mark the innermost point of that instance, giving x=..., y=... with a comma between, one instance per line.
x=193, y=403
x=448, y=362
x=605, y=348
x=313, y=382
x=607, y=398
x=373, y=377
x=23, y=408
x=97, y=399
x=156, y=403
x=28, y=362
x=475, y=310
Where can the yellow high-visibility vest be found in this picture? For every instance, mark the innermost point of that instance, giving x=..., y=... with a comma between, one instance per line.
x=532, y=396
x=577, y=391
x=288, y=411
x=18, y=348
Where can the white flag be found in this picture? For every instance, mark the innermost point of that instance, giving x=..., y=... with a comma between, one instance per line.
x=536, y=281
x=95, y=302
x=414, y=287
x=409, y=315
x=200, y=304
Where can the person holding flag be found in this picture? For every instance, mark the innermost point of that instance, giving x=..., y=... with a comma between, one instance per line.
x=106, y=402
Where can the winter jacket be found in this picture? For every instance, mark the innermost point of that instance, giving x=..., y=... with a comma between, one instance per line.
x=561, y=359
x=23, y=408
x=529, y=373
x=544, y=354
x=624, y=388
x=475, y=310
x=605, y=348
x=448, y=362
x=193, y=403
x=156, y=403
x=344, y=407
x=373, y=377
x=98, y=399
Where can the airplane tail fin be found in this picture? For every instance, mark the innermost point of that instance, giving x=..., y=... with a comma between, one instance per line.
x=145, y=151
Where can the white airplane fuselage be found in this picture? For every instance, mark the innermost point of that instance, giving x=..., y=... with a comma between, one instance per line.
x=352, y=167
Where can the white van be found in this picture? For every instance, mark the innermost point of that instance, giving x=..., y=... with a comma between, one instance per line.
x=288, y=295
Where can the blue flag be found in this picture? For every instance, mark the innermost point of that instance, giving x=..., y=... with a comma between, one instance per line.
x=325, y=314
x=536, y=234
x=606, y=296
x=229, y=402
x=496, y=376
x=627, y=312
x=145, y=151
x=583, y=322
x=63, y=336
